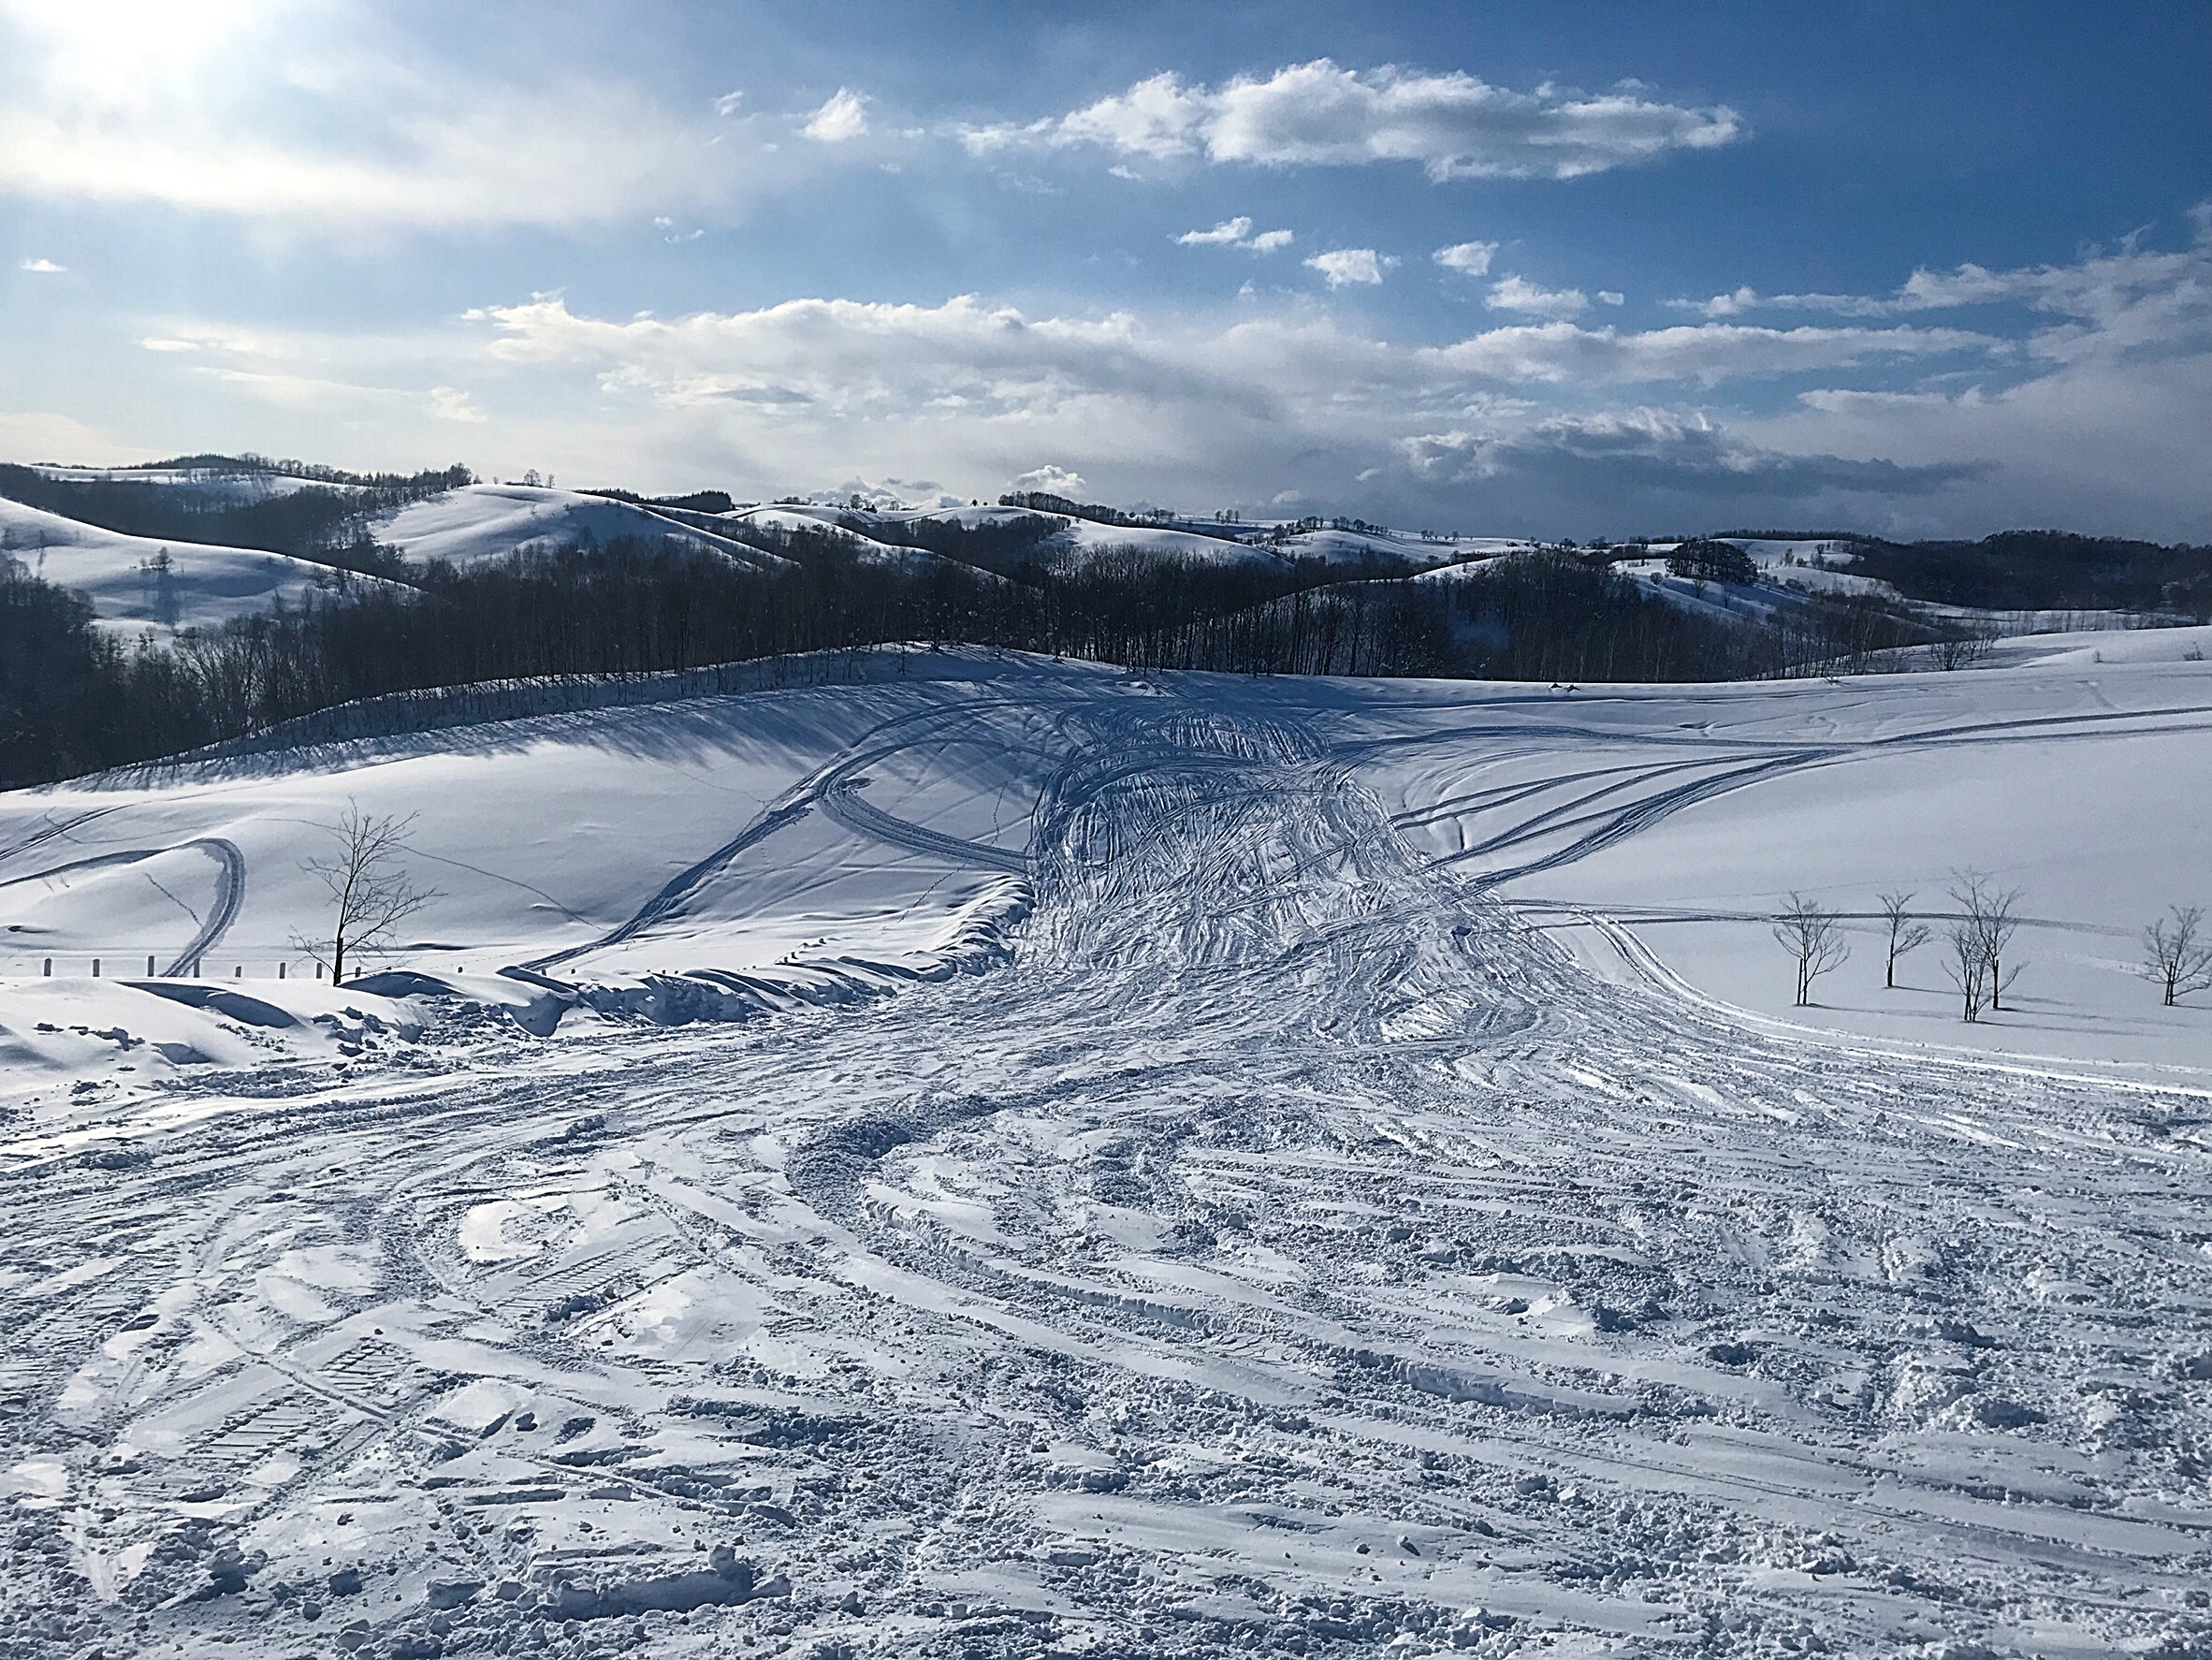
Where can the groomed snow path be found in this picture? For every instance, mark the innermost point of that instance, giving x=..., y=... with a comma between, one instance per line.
x=1288, y=1251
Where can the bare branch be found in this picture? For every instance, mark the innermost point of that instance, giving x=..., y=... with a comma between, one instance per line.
x=1808, y=931
x=371, y=893
x=2173, y=959
x=1978, y=939
x=1905, y=934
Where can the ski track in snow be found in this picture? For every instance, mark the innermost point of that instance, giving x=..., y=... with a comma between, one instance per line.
x=1291, y=1250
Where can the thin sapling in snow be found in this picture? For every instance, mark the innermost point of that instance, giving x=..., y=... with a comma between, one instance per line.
x=371, y=893
x=1978, y=937
x=2173, y=957
x=1808, y=931
x=1905, y=934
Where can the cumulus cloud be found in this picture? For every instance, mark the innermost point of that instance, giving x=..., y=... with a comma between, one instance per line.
x=1517, y=293
x=974, y=390
x=844, y=116
x=1532, y=424
x=2094, y=421
x=450, y=404
x=1340, y=267
x=1055, y=481
x=44, y=268
x=1470, y=259
x=1226, y=234
x=1237, y=233
x=1320, y=114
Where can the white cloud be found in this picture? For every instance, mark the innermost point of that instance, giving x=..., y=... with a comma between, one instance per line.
x=828, y=361
x=728, y=103
x=1708, y=354
x=1609, y=297
x=1323, y=114
x=44, y=268
x=450, y=404
x=1563, y=426
x=1517, y=293
x=844, y=116
x=329, y=116
x=493, y=158
x=1341, y=266
x=1226, y=234
x=1668, y=455
x=155, y=342
x=1468, y=259
x=1055, y=481
x=1237, y=233
x=2094, y=284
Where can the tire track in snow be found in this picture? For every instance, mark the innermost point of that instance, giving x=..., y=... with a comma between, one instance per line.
x=229, y=896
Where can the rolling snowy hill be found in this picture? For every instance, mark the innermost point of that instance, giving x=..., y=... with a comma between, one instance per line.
x=1008, y=1155
x=481, y=522
x=137, y=584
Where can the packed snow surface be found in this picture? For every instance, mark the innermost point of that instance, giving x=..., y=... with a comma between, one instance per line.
x=1008, y=1157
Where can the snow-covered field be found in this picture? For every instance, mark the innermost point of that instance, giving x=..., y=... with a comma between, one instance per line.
x=1205, y=1165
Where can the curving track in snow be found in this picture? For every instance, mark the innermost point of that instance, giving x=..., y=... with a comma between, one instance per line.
x=1291, y=1251
x=222, y=909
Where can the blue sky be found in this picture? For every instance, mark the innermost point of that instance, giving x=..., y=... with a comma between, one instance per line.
x=1570, y=269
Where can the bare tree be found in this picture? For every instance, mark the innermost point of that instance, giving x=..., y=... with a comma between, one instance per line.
x=369, y=891
x=1807, y=930
x=1965, y=968
x=1963, y=646
x=1905, y=934
x=1978, y=938
x=2173, y=958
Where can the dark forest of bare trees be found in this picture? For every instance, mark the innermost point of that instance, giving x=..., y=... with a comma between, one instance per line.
x=74, y=698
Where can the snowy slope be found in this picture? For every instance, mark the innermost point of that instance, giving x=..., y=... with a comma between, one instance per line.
x=888, y=555
x=2068, y=771
x=1338, y=1220
x=1818, y=567
x=203, y=585
x=482, y=522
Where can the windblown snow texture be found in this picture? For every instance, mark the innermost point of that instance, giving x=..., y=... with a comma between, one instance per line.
x=1278, y=1243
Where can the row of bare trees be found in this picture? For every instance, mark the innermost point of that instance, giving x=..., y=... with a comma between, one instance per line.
x=1977, y=937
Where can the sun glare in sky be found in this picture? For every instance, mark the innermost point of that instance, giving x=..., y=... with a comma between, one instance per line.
x=133, y=37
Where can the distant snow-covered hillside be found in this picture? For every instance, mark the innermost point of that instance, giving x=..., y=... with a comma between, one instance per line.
x=204, y=486
x=481, y=522
x=136, y=583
